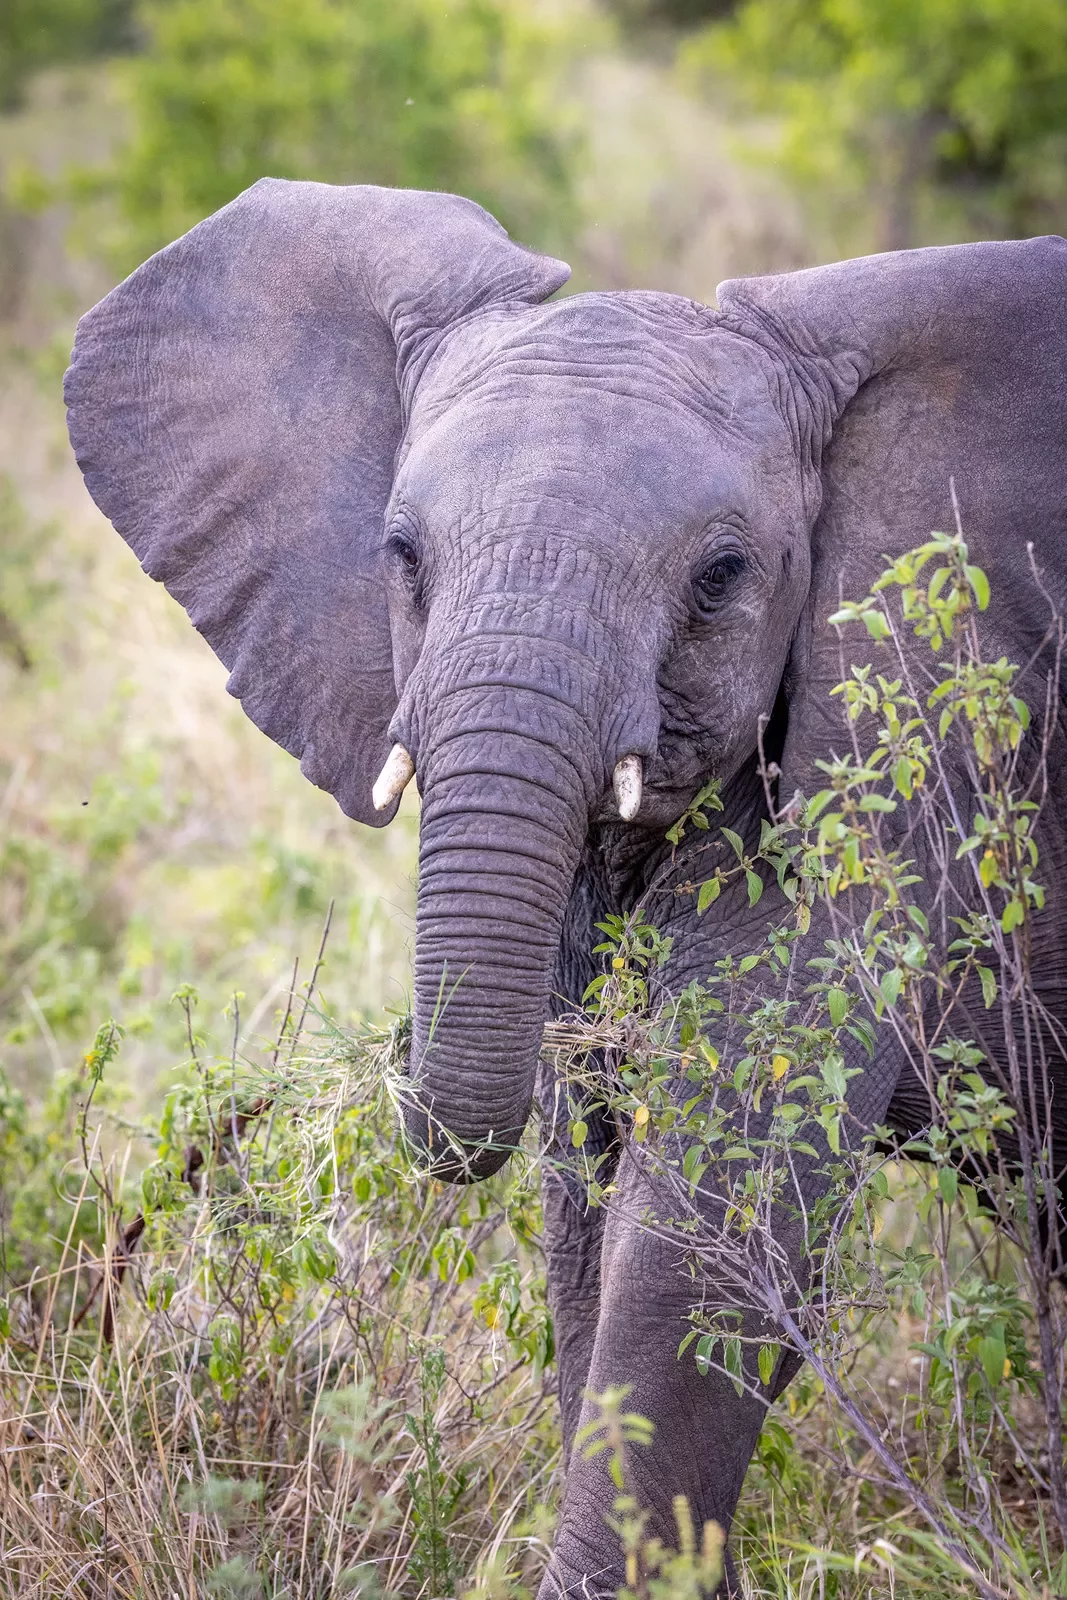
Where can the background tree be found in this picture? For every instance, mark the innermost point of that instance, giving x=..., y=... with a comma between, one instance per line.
x=41, y=33
x=416, y=93
x=951, y=115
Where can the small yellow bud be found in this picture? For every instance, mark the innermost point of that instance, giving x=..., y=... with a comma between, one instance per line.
x=617, y=963
x=780, y=1066
x=1007, y=1367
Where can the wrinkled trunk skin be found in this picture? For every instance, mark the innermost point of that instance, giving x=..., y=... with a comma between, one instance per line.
x=505, y=815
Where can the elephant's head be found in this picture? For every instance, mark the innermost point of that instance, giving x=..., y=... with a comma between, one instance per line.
x=554, y=557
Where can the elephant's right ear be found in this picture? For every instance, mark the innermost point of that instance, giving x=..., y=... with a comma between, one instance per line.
x=924, y=380
x=235, y=407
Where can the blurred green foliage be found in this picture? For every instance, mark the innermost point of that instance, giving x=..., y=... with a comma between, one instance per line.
x=951, y=115
x=40, y=33
x=436, y=94
x=142, y=840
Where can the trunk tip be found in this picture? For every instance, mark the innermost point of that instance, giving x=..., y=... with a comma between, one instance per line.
x=452, y=1159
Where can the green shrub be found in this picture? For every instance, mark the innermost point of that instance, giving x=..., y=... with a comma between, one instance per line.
x=38, y=33
x=414, y=93
x=950, y=116
x=277, y=1374
x=946, y=1276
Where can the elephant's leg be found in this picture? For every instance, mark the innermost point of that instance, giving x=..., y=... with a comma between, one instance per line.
x=705, y=1432
x=573, y=1237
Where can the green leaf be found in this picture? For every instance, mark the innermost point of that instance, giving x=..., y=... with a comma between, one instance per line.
x=735, y=840
x=731, y=1360
x=992, y=1355
x=578, y=1133
x=948, y=1182
x=989, y=986
x=707, y=894
x=1021, y=709
x=1013, y=915
x=818, y=804
x=937, y=583
x=837, y=1002
x=755, y=885
x=878, y=1183
x=862, y=1030
x=980, y=584
x=692, y=1166
x=890, y=985
x=902, y=777
x=876, y=624
x=694, y=1333
x=877, y=802
x=768, y=1361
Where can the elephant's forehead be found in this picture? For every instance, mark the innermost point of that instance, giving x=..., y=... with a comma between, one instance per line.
x=642, y=406
x=602, y=356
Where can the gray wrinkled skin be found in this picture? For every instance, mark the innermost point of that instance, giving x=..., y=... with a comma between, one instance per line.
x=406, y=499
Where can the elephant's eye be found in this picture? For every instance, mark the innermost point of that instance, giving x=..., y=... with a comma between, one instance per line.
x=715, y=577
x=404, y=551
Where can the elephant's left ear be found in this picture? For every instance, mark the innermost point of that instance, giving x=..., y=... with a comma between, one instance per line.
x=917, y=371
x=236, y=407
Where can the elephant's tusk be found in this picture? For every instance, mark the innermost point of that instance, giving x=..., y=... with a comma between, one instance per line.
x=395, y=776
x=626, y=781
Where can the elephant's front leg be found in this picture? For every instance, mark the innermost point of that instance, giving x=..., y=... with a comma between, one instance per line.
x=573, y=1238
x=705, y=1432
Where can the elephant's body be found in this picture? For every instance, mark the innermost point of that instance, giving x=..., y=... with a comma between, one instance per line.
x=541, y=547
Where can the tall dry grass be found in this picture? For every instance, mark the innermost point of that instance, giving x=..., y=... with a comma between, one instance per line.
x=278, y=1362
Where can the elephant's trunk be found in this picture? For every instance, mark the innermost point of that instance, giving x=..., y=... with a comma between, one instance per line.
x=505, y=815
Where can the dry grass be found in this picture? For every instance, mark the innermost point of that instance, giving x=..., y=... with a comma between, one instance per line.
x=324, y=1374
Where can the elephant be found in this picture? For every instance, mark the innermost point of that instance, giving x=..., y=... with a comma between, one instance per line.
x=562, y=559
